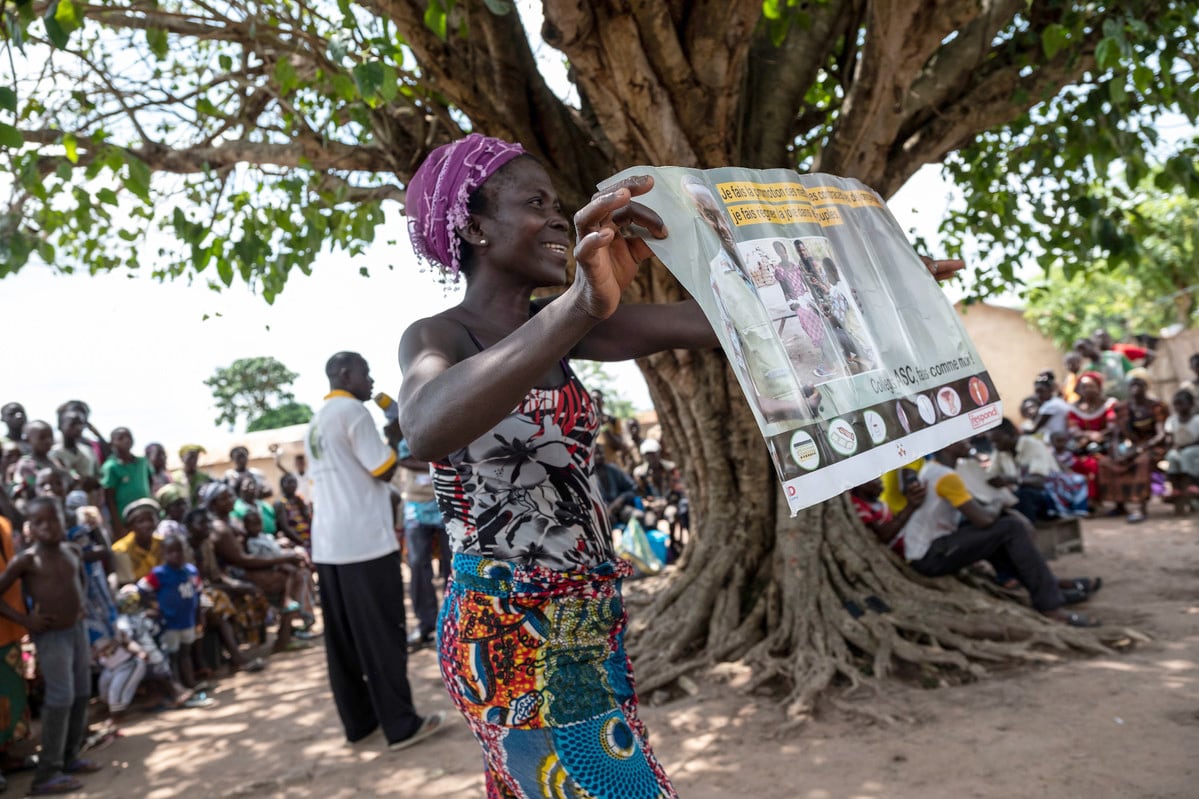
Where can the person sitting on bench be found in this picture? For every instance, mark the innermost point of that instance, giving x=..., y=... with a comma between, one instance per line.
x=951, y=530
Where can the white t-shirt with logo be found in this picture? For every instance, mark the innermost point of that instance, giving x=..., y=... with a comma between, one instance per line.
x=345, y=454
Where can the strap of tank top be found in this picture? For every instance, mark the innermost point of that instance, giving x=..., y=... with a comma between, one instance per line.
x=474, y=339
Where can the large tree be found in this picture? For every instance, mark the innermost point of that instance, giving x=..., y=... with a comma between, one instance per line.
x=260, y=131
x=258, y=390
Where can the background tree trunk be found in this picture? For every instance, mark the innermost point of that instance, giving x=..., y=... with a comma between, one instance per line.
x=776, y=591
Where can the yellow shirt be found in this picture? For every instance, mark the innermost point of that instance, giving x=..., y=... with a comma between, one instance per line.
x=132, y=562
x=893, y=491
x=1069, y=388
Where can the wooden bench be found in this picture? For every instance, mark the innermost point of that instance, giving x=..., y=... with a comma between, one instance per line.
x=1057, y=537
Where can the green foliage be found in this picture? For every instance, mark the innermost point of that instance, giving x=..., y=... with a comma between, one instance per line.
x=283, y=416
x=1155, y=286
x=597, y=378
x=150, y=188
x=235, y=142
x=1051, y=187
x=254, y=388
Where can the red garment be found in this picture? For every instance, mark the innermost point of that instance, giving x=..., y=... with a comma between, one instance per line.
x=1088, y=467
x=1095, y=421
x=1131, y=351
x=877, y=512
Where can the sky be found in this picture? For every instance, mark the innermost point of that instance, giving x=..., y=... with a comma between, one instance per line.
x=138, y=350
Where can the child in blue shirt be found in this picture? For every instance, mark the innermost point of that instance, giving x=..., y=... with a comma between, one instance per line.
x=176, y=585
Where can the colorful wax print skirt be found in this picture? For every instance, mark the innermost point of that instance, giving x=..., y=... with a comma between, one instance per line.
x=535, y=661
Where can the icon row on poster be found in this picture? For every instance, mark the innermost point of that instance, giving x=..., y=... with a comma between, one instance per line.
x=845, y=438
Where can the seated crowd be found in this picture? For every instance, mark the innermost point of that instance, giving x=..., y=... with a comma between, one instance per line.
x=184, y=572
x=636, y=480
x=180, y=574
x=1077, y=449
x=1103, y=423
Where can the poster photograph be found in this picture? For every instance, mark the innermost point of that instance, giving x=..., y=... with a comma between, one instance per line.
x=851, y=357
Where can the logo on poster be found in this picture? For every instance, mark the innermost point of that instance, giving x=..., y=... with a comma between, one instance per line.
x=949, y=401
x=978, y=391
x=984, y=417
x=875, y=426
x=804, y=450
x=927, y=411
x=842, y=437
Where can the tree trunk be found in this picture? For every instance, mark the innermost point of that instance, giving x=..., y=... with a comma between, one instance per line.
x=807, y=602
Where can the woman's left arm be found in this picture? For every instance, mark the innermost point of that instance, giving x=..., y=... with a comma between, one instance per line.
x=640, y=329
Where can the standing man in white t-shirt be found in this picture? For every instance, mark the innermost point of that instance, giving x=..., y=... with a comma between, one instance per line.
x=357, y=559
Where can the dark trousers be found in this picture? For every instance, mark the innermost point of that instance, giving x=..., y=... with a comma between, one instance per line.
x=1007, y=544
x=64, y=658
x=420, y=563
x=366, y=647
x=1034, y=503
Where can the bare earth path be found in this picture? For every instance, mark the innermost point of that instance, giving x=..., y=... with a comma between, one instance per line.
x=1121, y=726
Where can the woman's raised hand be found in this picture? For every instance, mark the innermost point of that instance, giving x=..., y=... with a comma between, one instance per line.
x=607, y=260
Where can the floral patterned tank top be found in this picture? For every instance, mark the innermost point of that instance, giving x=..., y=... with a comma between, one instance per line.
x=523, y=491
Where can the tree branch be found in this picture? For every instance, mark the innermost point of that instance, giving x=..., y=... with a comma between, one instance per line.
x=492, y=78
x=778, y=80
x=309, y=153
x=901, y=36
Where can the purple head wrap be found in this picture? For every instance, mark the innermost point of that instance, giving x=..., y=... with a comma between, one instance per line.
x=440, y=189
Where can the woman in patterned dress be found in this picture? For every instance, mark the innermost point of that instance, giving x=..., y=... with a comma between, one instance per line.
x=800, y=300
x=1140, y=443
x=1092, y=423
x=532, y=629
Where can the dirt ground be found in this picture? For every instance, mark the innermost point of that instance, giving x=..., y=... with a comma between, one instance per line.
x=1121, y=726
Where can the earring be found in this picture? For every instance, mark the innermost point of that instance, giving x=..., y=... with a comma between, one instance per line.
x=482, y=242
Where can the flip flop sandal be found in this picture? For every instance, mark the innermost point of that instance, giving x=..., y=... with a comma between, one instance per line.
x=1074, y=595
x=101, y=739
x=199, y=701
x=1135, y=518
x=1079, y=620
x=1090, y=585
x=81, y=765
x=63, y=783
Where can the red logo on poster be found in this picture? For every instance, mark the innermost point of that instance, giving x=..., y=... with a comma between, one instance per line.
x=988, y=417
x=978, y=391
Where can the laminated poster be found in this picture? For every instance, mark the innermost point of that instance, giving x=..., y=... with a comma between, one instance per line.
x=850, y=355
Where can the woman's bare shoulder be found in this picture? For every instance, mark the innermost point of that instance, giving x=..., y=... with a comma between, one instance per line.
x=443, y=335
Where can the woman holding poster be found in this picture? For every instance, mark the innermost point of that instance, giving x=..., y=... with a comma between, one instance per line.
x=531, y=631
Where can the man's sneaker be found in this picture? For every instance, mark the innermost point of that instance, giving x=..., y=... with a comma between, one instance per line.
x=429, y=726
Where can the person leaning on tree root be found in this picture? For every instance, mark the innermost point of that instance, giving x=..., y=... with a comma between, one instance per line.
x=952, y=529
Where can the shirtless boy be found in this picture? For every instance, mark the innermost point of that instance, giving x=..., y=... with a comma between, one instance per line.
x=51, y=573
